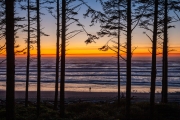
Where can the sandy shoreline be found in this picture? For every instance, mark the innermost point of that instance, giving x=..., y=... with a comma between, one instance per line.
x=101, y=96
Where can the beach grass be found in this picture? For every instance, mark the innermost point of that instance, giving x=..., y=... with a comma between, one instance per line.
x=94, y=111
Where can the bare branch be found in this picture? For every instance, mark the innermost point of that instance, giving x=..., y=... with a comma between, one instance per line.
x=122, y=58
x=148, y=36
x=2, y=61
x=177, y=15
x=134, y=49
x=149, y=51
x=73, y=35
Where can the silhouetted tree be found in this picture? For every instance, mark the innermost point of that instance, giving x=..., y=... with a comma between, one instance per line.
x=67, y=15
x=128, y=63
x=70, y=12
x=10, y=62
x=57, y=56
x=167, y=6
x=139, y=12
x=38, y=58
x=29, y=29
x=118, y=53
x=112, y=27
x=153, y=67
x=149, y=17
x=126, y=24
x=63, y=45
x=161, y=31
x=110, y=19
x=38, y=41
x=57, y=17
x=165, y=55
x=12, y=27
x=28, y=53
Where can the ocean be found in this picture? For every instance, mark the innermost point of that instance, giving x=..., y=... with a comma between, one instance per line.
x=99, y=73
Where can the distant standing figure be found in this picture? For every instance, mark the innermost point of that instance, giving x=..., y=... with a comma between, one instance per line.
x=89, y=89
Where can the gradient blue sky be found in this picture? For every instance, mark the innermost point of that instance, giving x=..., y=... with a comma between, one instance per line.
x=77, y=45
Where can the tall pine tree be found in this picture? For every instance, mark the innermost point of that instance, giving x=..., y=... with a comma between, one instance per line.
x=128, y=63
x=28, y=54
x=10, y=61
x=57, y=56
x=38, y=58
x=63, y=45
x=153, y=67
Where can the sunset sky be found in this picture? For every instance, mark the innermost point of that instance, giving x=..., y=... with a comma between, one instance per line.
x=76, y=45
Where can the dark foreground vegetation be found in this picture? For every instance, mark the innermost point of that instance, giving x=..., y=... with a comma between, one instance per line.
x=93, y=111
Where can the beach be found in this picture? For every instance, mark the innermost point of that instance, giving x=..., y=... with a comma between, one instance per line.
x=90, y=96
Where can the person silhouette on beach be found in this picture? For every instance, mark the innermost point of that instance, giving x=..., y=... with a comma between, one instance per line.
x=89, y=89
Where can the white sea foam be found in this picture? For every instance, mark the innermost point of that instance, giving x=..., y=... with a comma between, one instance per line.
x=99, y=73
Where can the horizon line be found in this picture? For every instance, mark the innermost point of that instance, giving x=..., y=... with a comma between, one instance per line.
x=99, y=55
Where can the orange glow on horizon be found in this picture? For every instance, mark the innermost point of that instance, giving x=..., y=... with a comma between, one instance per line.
x=96, y=55
x=92, y=52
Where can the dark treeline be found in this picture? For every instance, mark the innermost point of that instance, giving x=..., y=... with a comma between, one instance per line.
x=117, y=18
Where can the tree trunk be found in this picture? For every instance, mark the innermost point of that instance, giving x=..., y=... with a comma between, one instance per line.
x=165, y=56
x=10, y=60
x=28, y=58
x=38, y=59
x=118, y=54
x=57, y=59
x=63, y=58
x=153, y=68
x=128, y=63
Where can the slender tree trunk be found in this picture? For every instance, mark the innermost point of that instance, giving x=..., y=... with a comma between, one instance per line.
x=128, y=63
x=63, y=58
x=153, y=68
x=28, y=58
x=118, y=54
x=165, y=56
x=38, y=59
x=57, y=59
x=10, y=60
